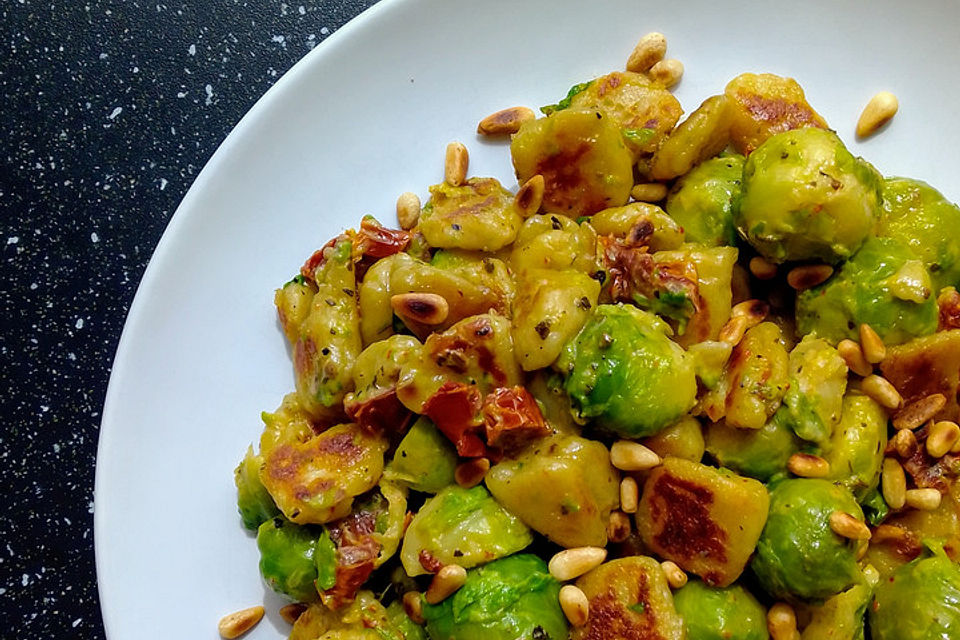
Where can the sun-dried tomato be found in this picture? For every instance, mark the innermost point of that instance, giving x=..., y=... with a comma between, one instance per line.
x=512, y=418
x=455, y=409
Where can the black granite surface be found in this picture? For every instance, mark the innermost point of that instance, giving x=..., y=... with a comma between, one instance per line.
x=110, y=109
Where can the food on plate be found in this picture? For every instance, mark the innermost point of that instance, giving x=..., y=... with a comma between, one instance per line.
x=702, y=443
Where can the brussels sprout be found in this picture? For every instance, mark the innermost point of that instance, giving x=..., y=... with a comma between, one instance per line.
x=710, y=613
x=461, y=526
x=287, y=558
x=424, y=460
x=640, y=222
x=554, y=242
x=706, y=520
x=709, y=360
x=363, y=619
x=511, y=598
x=799, y=555
x=400, y=621
x=758, y=453
x=862, y=292
x=921, y=601
x=855, y=452
x=582, y=157
x=550, y=308
x=919, y=215
x=623, y=371
x=841, y=617
x=818, y=378
x=806, y=197
x=563, y=487
x=628, y=598
x=477, y=215
x=702, y=201
x=254, y=502
x=683, y=439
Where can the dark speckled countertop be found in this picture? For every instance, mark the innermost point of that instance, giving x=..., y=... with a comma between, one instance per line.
x=110, y=109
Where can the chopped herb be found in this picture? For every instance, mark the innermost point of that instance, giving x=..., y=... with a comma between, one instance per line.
x=543, y=329
x=583, y=219
x=325, y=558
x=565, y=103
x=638, y=607
x=298, y=279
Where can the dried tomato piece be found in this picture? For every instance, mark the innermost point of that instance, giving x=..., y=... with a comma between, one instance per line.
x=379, y=413
x=377, y=241
x=512, y=418
x=309, y=268
x=455, y=409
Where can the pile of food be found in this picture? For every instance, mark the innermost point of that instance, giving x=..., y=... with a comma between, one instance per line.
x=694, y=379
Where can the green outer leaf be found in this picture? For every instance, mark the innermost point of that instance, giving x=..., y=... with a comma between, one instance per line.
x=325, y=558
x=565, y=103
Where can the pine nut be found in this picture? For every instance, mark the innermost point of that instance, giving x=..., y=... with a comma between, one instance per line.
x=943, y=435
x=878, y=111
x=862, y=547
x=427, y=308
x=905, y=443
x=649, y=192
x=530, y=196
x=782, y=622
x=852, y=354
x=732, y=332
x=893, y=484
x=807, y=465
x=918, y=412
x=649, y=50
x=872, y=344
x=471, y=473
x=505, y=121
x=676, y=578
x=923, y=499
x=845, y=525
x=753, y=311
x=618, y=527
x=455, y=164
x=632, y=456
x=236, y=624
x=667, y=72
x=808, y=276
x=629, y=495
x=445, y=583
x=575, y=605
x=888, y=533
x=880, y=389
x=573, y=563
x=762, y=268
x=413, y=606
x=292, y=612
x=408, y=210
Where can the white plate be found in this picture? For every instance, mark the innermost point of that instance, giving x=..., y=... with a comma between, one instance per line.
x=361, y=119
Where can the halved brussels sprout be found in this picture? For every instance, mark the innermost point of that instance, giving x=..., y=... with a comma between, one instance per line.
x=288, y=558
x=758, y=453
x=364, y=619
x=818, y=378
x=425, y=460
x=683, y=439
x=841, y=617
x=510, y=598
x=712, y=613
x=702, y=201
x=855, y=452
x=806, y=197
x=253, y=500
x=920, y=601
x=624, y=372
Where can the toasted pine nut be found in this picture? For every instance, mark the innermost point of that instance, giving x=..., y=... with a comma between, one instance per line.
x=762, y=268
x=445, y=583
x=428, y=308
x=878, y=111
x=872, y=344
x=880, y=389
x=413, y=606
x=943, y=435
x=676, y=578
x=888, y=533
x=455, y=164
x=808, y=275
x=782, y=622
x=629, y=495
x=470, y=473
x=573, y=563
x=236, y=624
x=408, y=210
x=505, y=121
x=955, y=448
x=807, y=465
x=667, y=72
x=904, y=443
x=754, y=311
x=649, y=50
x=845, y=525
x=530, y=196
x=732, y=332
x=291, y=612
x=632, y=456
x=575, y=605
x=852, y=354
x=618, y=527
x=862, y=547
x=923, y=499
x=893, y=484
x=918, y=412
x=649, y=192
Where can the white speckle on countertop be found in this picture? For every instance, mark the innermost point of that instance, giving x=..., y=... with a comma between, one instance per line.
x=192, y=50
x=79, y=324
x=94, y=238
x=116, y=111
x=209, y=90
